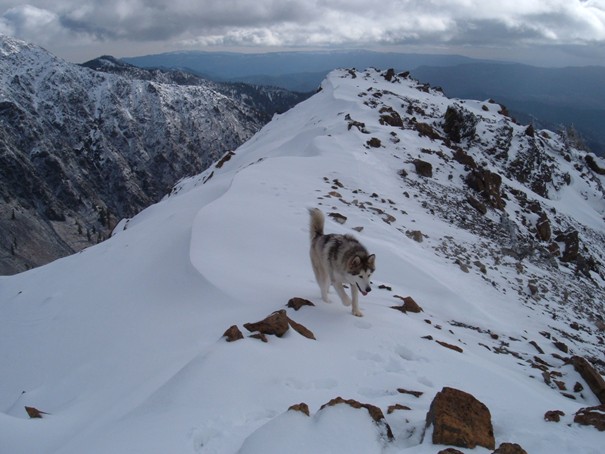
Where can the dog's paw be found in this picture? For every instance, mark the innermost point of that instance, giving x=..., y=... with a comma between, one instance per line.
x=326, y=300
x=346, y=302
x=357, y=313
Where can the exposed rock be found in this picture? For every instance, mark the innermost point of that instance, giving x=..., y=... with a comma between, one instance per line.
x=553, y=415
x=459, y=123
x=259, y=336
x=463, y=158
x=561, y=346
x=488, y=185
x=423, y=168
x=591, y=376
x=415, y=235
x=301, y=329
x=276, y=324
x=390, y=117
x=450, y=451
x=592, y=165
x=375, y=413
x=356, y=124
x=450, y=346
x=341, y=219
x=374, y=142
x=393, y=408
x=572, y=245
x=233, y=333
x=480, y=207
x=409, y=305
x=591, y=416
x=407, y=391
x=543, y=228
x=302, y=407
x=34, y=413
x=510, y=448
x=459, y=419
x=296, y=303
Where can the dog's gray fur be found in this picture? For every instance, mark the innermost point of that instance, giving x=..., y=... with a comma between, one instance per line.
x=339, y=259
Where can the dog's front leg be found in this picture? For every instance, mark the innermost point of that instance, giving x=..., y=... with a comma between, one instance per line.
x=341, y=292
x=355, y=297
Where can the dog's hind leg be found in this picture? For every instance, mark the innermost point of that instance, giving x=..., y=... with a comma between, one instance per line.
x=323, y=280
x=341, y=292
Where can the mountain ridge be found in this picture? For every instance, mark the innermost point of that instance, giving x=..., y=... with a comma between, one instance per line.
x=451, y=195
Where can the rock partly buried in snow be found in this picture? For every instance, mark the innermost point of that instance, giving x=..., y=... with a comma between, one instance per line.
x=233, y=333
x=459, y=419
x=302, y=407
x=296, y=303
x=510, y=448
x=375, y=413
x=590, y=376
x=553, y=415
x=34, y=413
x=423, y=168
x=409, y=305
x=276, y=324
x=591, y=416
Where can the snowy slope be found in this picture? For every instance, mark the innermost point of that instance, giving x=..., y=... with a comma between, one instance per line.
x=122, y=343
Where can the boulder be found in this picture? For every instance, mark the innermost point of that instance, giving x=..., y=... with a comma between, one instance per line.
x=488, y=185
x=553, y=415
x=543, y=230
x=591, y=416
x=590, y=375
x=423, y=168
x=572, y=245
x=459, y=419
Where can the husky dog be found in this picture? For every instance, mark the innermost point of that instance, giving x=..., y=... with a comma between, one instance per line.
x=339, y=259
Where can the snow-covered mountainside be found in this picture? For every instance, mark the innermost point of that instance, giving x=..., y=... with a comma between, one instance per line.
x=81, y=148
x=494, y=229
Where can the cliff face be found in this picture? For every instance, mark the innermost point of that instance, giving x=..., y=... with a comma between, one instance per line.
x=82, y=147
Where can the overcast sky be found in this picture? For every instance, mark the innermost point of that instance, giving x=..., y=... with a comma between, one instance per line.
x=542, y=32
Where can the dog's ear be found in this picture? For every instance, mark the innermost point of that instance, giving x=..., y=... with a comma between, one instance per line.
x=372, y=261
x=355, y=262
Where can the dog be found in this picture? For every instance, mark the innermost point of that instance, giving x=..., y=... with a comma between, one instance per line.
x=337, y=260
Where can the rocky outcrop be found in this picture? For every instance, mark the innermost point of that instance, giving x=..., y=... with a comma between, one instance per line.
x=591, y=416
x=591, y=376
x=277, y=324
x=488, y=185
x=459, y=419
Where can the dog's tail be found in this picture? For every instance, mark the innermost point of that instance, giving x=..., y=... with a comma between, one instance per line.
x=316, y=225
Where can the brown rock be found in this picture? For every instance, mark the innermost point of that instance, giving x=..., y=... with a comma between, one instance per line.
x=409, y=305
x=480, y=207
x=510, y=448
x=341, y=219
x=393, y=408
x=407, y=391
x=301, y=329
x=296, y=303
x=276, y=323
x=450, y=451
x=572, y=245
x=590, y=375
x=415, y=235
x=488, y=185
x=233, y=333
x=591, y=416
x=553, y=415
x=543, y=228
x=459, y=419
x=463, y=158
x=302, y=407
x=375, y=412
x=34, y=413
x=450, y=346
x=423, y=168
x=260, y=336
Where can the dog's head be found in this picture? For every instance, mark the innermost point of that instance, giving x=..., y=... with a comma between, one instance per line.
x=360, y=270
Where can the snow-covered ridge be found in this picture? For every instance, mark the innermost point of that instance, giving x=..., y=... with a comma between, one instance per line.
x=122, y=344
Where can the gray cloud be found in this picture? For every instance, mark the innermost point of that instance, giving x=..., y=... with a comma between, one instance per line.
x=181, y=24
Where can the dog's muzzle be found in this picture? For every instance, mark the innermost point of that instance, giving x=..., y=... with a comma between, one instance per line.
x=367, y=290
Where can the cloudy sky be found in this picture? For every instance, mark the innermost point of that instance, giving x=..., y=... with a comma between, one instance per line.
x=543, y=32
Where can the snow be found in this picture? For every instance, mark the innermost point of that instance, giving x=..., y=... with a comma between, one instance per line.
x=122, y=343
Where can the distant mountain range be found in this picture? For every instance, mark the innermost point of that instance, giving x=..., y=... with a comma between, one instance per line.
x=549, y=97
x=82, y=147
